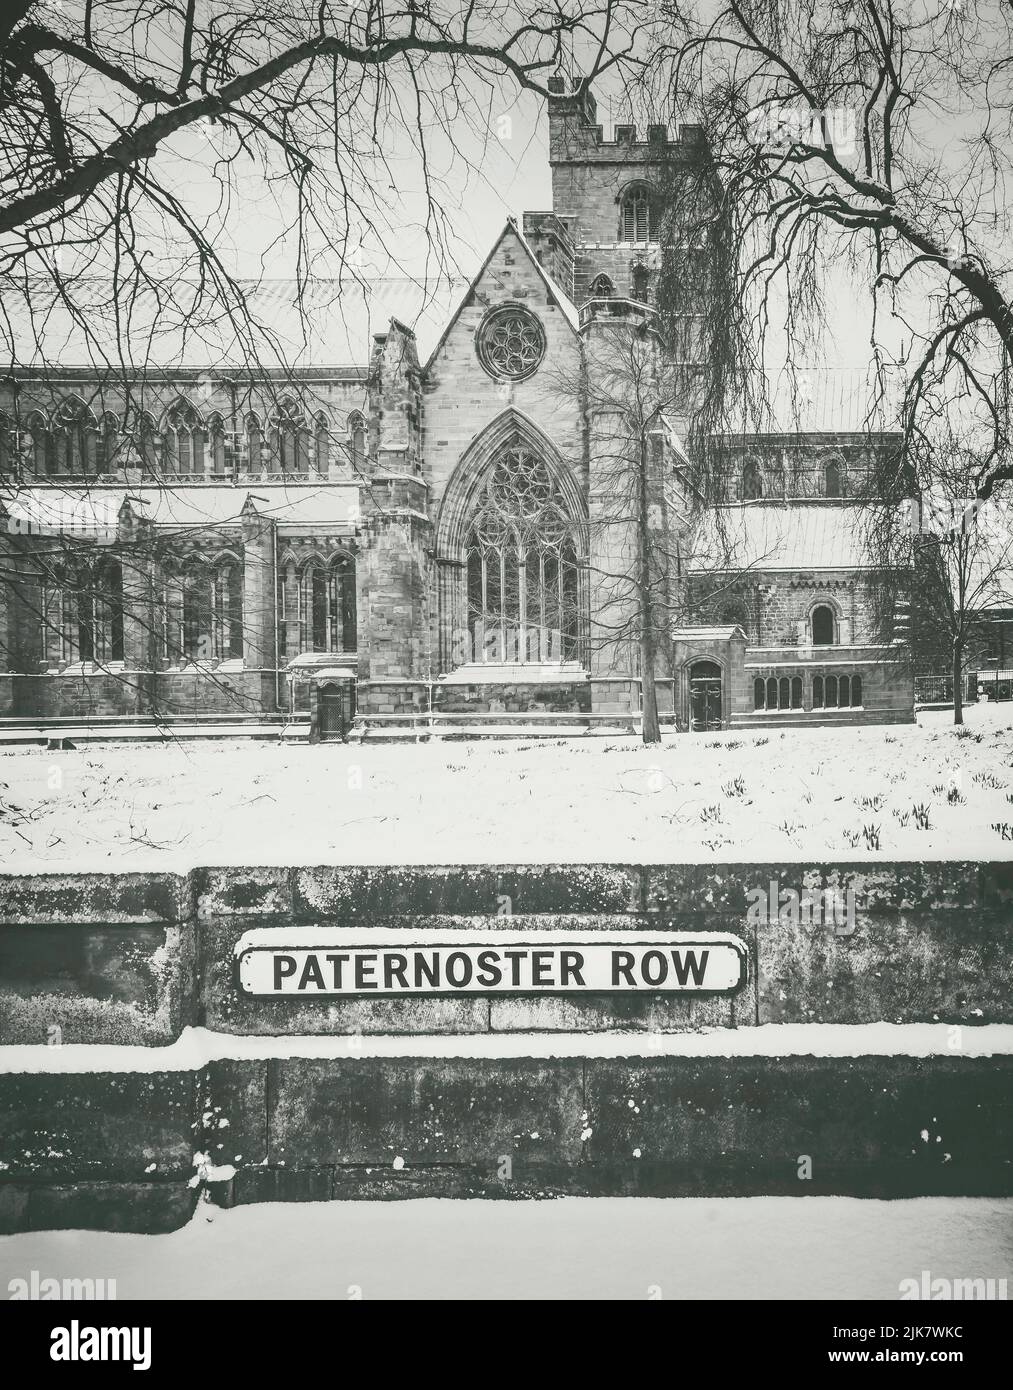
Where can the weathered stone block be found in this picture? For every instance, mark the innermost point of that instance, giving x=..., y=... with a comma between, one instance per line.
x=241, y=891
x=52, y=898
x=70, y=1127
x=387, y=891
x=896, y=1125
x=95, y=984
x=619, y=1013
x=151, y=1208
x=416, y=1111
x=935, y=966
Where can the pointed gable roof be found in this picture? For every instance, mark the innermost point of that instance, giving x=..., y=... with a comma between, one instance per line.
x=558, y=296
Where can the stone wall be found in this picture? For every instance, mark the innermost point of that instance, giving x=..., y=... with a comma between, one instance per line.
x=236, y=1114
x=59, y=695
x=142, y=956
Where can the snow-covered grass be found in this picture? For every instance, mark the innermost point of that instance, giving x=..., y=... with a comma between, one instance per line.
x=635, y=1248
x=902, y=792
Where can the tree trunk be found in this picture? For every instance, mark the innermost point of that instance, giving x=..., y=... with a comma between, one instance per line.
x=958, y=692
x=650, y=725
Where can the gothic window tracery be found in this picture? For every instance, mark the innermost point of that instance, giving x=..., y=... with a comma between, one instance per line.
x=523, y=575
x=357, y=439
x=183, y=440
x=289, y=438
x=511, y=343
x=82, y=612
x=203, y=608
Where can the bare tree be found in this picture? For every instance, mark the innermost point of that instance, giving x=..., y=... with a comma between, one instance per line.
x=141, y=141
x=873, y=135
x=647, y=497
x=957, y=548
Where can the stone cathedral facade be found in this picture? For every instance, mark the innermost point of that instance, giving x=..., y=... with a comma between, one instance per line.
x=419, y=530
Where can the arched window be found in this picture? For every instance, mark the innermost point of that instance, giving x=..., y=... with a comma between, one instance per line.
x=823, y=626
x=635, y=215
x=796, y=692
x=523, y=578
x=759, y=693
x=107, y=444
x=289, y=438
x=182, y=439
x=856, y=692
x=831, y=692
x=146, y=442
x=752, y=480
x=321, y=443
x=74, y=438
x=105, y=611
x=602, y=288
x=43, y=452
x=254, y=443
x=771, y=692
x=844, y=692
x=9, y=461
x=82, y=612
x=783, y=693
x=817, y=692
x=217, y=446
x=327, y=605
x=198, y=612
x=832, y=480
x=206, y=601
x=357, y=439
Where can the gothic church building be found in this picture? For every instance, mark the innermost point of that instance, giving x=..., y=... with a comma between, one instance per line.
x=387, y=533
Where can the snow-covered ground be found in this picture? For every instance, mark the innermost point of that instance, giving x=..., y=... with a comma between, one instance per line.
x=637, y=1248
x=903, y=792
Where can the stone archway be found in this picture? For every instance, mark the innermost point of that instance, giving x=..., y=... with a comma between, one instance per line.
x=511, y=545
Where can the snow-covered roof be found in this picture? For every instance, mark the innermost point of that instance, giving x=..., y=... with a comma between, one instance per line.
x=821, y=400
x=764, y=535
x=94, y=511
x=330, y=324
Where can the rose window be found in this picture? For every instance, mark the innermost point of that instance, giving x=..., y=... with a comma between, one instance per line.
x=511, y=343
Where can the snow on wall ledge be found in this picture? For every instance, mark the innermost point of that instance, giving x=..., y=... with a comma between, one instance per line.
x=137, y=1150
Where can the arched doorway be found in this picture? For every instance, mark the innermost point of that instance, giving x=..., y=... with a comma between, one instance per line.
x=705, y=696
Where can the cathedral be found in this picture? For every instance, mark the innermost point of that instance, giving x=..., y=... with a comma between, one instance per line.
x=414, y=520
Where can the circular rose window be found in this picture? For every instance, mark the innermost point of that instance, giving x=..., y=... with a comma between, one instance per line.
x=511, y=343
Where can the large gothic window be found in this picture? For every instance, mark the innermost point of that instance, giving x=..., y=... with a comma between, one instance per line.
x=82, y=612
x=523, y=576
x=203, y=609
